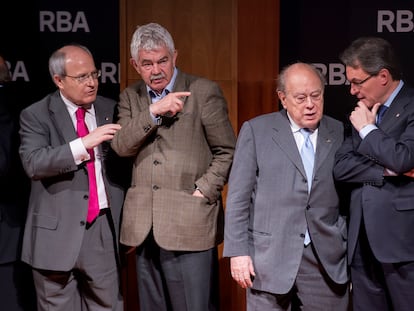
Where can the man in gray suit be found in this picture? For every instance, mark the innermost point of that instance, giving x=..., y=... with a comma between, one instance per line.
x=176, y=127
x=284, y=232
x=73, y=257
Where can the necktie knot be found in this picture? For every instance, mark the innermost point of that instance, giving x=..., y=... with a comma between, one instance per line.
x=305, y=132
x=80, y=114
x=381, y=111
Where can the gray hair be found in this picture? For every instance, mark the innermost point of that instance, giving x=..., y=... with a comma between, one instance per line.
x=372, y=54
x=57, y=60
x=149, y=37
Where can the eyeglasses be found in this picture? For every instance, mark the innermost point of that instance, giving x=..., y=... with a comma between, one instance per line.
x=358, y=84
x=85, y=77
x=314, y=97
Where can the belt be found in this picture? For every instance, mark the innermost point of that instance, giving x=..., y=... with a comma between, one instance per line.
x=103, y=211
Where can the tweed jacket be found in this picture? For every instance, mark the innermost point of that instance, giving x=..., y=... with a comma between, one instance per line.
x=193, y=149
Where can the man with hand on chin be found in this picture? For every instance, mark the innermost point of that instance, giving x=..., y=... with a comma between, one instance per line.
x=376, y=160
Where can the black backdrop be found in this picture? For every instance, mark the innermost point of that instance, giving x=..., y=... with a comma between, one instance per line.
x=318, y=31
x=31, y=30
x=312, y=31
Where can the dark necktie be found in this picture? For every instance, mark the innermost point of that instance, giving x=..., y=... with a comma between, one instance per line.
x=93, y=203
x=382, y=109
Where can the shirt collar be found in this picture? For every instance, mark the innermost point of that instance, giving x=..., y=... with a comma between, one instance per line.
x=393, y=94
x=73, y=107
x=168, y=88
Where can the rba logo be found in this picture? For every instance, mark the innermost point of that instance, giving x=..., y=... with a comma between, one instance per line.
x=63, y=21
x=333, y=72
x=398, y=21
x=110, y=72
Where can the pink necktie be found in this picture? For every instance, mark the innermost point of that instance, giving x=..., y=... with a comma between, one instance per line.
x=93, y=204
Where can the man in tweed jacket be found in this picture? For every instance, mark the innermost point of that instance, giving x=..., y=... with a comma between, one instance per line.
x=176, y=127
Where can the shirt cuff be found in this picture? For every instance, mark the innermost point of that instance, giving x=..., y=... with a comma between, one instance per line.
x=366, y=130
x=79, y=152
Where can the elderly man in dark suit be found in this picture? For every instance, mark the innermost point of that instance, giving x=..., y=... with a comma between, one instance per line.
x=76, y=196
x=284, y=233
x=177, y=128
x=377, y=160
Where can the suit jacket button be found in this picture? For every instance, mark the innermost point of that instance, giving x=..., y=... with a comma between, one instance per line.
x=155, y=187
x=86, y=197
x=308, y=207
x=302, y=235
x=82, y=223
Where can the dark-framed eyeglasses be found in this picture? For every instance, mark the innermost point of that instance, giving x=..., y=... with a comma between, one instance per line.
x=85, y=77
x=358, y=84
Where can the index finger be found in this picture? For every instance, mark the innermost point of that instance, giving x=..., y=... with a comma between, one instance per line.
x=182, y=94
x=375, y=108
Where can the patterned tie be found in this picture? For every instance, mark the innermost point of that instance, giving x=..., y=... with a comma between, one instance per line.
x=308, y=157
x=93, y=203
x=382, y=109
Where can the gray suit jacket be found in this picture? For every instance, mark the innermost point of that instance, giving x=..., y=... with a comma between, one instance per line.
x=58, y=204
x=194, y=148
x=268, y=206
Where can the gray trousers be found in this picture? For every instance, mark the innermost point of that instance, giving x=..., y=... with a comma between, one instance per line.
x=93, y=283
x=312, y=291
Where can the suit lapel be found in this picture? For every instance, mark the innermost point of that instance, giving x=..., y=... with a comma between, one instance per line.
x=396, y=110
x=283, y=137
x=103, y=113
x=61, y=118
x=326, y=140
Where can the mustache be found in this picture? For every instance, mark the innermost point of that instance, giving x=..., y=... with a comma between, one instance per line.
x=157, y=76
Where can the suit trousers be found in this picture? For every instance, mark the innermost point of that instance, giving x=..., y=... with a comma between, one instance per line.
x=380, y=286
x=312, y=291
x=93, y=283
x=176, y=280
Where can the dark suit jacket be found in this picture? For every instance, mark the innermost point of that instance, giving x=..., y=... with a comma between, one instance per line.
x=386, y=204
x=268, y=207
x=57, y=210
x=14, y=184
x=194, y=148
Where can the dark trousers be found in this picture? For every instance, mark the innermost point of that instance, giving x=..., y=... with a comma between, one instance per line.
x=17, y=291
x=380, y=286
x=176, y=280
